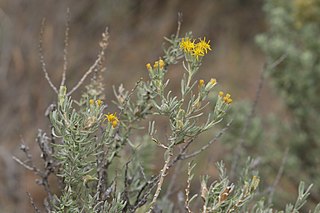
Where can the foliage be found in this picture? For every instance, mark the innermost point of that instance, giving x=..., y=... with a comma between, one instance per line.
x=293, y=31
x=103, y=166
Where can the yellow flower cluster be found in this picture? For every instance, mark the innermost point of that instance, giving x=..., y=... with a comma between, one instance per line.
x=112, y=118
x=158, y=64
x=98, y=102
x=227, y=98
x=198, y=49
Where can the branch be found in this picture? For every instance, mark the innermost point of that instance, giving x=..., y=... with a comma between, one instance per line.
x=49, y=167
x=220, y=133
x=163, y=173
x=65, y=50
x=42, y=61
x=187, y=190
x=24, y=165
x=103, y=45
x=180, y=19
x=33, y=204
x=171, y=189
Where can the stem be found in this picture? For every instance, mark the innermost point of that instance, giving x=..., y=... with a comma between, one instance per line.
x=162, y=175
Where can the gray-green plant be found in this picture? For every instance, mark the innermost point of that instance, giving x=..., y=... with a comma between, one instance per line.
x=94, y=153
x=101, y=164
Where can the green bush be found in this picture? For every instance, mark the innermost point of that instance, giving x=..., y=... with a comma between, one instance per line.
x=293, y=32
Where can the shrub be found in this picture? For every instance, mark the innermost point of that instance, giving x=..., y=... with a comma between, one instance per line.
x=103, y=166
x=293, y=32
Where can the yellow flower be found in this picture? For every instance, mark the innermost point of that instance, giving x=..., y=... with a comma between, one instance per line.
x=227, y=99
x=203, y=45
x=161, y=63
x=221, y=94
x=148, y=65
x=99, y=102
x=201, y=83
x=197, y=51
x=213, y=81
x=112, y=118
x=187, y=45
x=91, y=101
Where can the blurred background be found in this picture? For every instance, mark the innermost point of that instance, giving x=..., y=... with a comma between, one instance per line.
x=136, y=32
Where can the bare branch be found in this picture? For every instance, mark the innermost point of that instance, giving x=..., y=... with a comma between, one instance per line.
x=33, y=204
x=170, y=190
x=65, y=50
x=277, y=62
x=163, y=173
x=179, y=24
x=103, y=45
x=49, y=167
x=187, y=190
x=220, y=133
x=23, y=164
x=42, y=61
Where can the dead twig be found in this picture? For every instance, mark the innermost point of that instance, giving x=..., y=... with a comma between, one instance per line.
x=103, y=46
x=187, y=190
x=65, y=49
x=163, y=173
x=42, y=60
x=35, y=208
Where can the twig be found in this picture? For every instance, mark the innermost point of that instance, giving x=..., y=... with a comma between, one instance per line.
x=23, y=164
x=278, y=177
x=33, y=204
x=163, y=173
x=277, y=62
x=103, y=45
x=187, y=190
x=220, y=133
x=179, y=24
x=148, y=187
x=49, y=167
x=142, y=197
x=126, y=187
x=65, y=50
x=129, y=95
x=181, y=153
x=84, y=76
x=173, y=179
x=42, y=61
